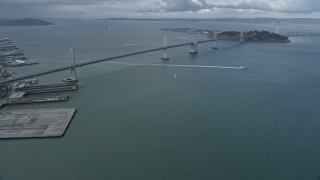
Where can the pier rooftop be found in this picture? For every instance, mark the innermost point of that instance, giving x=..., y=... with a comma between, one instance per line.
x=35, y=123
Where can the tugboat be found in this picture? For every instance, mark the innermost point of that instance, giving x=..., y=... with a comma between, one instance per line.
x=214, y=46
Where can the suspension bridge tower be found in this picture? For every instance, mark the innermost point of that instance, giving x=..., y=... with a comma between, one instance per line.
x=165, y=49
x=193, y=48
x=215, y=38
x=241, y=39
x=73, y=75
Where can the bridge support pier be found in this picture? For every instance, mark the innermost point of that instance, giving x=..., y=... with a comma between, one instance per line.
x=165, y=49
x=165, y=55
x=193, y=48
x=73, y=75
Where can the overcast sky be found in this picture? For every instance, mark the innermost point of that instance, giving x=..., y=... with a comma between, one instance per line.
x=159, y=8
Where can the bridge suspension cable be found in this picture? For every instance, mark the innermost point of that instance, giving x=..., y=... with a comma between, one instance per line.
x=73, y=66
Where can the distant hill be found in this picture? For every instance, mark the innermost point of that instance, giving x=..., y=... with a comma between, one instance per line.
x=24, y=22
x=280, y=21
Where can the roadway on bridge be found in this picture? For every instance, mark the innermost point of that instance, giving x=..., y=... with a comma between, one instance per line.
x=99, y=61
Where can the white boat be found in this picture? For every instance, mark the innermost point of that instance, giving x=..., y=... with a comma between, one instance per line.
x=5, y=40
x=243, y=67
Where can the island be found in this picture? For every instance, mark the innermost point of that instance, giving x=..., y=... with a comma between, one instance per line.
x=24, y=22
x=248, y=36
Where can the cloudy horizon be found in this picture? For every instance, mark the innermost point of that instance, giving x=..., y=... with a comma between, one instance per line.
x=159, y=8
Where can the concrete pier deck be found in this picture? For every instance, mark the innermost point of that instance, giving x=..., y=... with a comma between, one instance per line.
x=37, y=99
x=35, y=123
x=48, y=88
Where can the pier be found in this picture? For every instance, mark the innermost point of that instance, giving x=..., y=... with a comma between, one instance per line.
x=24, y=64
x=36, y=99
x=48, y=88
x=35, y=123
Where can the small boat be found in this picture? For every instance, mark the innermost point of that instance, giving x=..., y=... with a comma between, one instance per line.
x=5, y=40
x=31, y=81
x=70, y=80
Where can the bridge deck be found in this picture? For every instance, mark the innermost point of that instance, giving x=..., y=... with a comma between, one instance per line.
x=290, y=34
x=98, y=61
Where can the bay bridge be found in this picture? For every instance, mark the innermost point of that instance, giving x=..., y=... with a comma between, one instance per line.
x=292, y=34
x=73, y=65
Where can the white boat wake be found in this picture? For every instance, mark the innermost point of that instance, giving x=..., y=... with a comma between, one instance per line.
x=182, y=65
x=133, y=44
x=184, y=38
